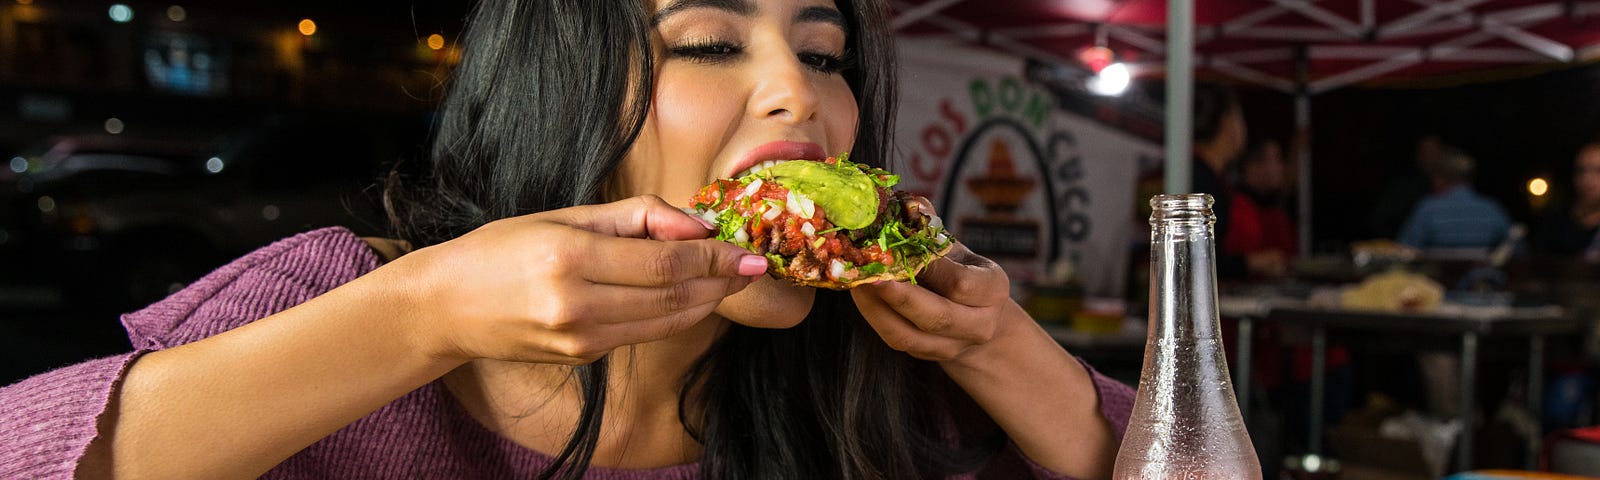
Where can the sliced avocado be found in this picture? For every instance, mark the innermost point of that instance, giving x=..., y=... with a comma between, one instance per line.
x=847, y=196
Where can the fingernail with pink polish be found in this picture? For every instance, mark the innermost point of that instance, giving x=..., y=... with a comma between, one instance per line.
x=752, y=265
x=703, y=222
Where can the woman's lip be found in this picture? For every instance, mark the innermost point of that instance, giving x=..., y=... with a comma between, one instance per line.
x=779, y=150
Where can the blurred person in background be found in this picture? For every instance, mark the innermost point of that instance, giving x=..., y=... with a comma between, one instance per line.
x=1261, y=224
x=1260, y=217
x=1574, y=231
x=1219, y=139
x=546, y=312
x=1454, y=215
x=1403, y=190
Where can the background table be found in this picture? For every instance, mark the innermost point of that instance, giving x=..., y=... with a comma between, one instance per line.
x=1470, y=323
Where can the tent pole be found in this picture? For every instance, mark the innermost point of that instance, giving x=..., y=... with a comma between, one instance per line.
x=1180, y=92
x=1302, y=135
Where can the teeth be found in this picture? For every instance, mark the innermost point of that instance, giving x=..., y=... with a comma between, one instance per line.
x=757, y=168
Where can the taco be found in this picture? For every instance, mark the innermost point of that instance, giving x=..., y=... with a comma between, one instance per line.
x=831, y=224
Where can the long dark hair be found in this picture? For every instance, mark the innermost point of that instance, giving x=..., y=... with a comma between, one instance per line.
x=544, y=105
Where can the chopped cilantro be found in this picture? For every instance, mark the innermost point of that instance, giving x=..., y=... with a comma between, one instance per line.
x=729, y=222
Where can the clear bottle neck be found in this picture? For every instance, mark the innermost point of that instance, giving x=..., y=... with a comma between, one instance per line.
x=1182, y=217
x=1183, y=267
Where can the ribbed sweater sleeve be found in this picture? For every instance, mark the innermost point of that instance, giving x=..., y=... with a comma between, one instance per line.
x=48, y=420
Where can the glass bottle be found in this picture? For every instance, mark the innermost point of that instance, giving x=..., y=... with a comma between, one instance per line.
x=1185, y=423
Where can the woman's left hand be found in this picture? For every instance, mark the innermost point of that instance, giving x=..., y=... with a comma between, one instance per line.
x=956, y=305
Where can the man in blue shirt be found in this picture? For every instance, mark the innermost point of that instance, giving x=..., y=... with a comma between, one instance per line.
x=1454, y=216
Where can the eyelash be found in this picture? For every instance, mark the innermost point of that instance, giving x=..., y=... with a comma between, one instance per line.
x=714, y=52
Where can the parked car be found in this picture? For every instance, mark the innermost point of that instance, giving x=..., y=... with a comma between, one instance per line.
x=119, y=223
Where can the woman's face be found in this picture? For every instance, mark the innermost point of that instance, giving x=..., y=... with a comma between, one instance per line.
x=738, y=82
x=1265, y=174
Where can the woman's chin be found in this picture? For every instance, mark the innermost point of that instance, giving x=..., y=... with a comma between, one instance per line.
x=768, y=303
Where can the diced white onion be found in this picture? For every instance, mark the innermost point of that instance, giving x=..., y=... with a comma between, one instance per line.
x=741, y=236
x=935, y=222
x=940, y=238
x=792, y=204
x=835, y=268
x=751, y=188
x=772, y=212
x=807, y=207
x=709, y=216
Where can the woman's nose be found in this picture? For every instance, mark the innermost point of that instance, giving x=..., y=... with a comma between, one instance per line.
x=783, y=90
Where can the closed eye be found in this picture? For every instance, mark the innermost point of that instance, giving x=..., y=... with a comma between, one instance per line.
x=707, y=51
x=827, y=63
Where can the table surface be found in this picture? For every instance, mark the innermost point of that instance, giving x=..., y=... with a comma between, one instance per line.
x=1447, y=318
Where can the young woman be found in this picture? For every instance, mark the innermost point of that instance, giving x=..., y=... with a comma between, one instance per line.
x=550, y=312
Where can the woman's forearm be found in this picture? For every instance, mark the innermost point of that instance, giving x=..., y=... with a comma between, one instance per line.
x=1041, y=396
x=236, y=404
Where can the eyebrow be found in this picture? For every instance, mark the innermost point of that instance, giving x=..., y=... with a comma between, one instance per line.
x=745, y=8
x=822, y=15
x=738, y=7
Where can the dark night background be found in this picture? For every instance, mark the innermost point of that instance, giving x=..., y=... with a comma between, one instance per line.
x=247, y=130
x=1517, y=124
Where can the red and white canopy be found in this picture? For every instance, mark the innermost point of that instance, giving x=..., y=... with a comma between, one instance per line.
x=1344, y=42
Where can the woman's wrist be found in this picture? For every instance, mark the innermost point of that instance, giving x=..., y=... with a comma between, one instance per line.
x=411, y=295
x=1014, y=332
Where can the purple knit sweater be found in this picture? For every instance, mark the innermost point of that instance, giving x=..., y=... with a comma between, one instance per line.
x=47, y=421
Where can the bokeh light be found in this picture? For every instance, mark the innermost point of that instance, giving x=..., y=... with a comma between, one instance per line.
x=177, y=13
x=436, y=41
x=308, y=27
x=1538, y=187
x=120, y=13
x=1112, y=80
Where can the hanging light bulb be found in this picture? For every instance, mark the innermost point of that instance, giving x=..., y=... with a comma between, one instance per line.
x=1096, y=58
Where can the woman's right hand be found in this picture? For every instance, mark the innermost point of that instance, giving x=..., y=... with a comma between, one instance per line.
x=568, y=286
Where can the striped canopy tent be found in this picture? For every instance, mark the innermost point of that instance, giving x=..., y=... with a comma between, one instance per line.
x=1299, y=47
